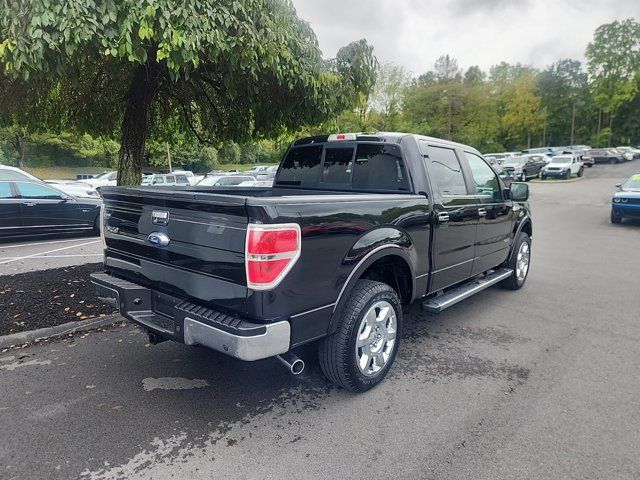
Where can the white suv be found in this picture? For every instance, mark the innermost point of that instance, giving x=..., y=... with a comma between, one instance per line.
x=563, y=166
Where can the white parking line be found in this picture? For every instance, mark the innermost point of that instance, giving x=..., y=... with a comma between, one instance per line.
x=40, y=243
x=55, y=256
x=46, y=253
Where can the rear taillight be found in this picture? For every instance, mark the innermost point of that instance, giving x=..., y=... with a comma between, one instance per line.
x=270, y=253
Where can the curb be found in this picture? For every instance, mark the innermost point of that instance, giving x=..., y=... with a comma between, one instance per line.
x=571, y=180
x=32, y=336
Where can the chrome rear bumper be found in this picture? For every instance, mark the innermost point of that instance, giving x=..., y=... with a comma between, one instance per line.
x=191, y=324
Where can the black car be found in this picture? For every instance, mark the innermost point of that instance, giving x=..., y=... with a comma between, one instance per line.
x=355, y=227
x=604, y=155
x=30, y=208
x=523, y=168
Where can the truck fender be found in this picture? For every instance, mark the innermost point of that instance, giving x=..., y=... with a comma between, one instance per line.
x=365, y=252
x=523, y=222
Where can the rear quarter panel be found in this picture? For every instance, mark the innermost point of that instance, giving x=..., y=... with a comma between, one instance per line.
x=336, y=235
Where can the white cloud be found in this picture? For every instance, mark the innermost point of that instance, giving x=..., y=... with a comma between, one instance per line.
x=413, y=33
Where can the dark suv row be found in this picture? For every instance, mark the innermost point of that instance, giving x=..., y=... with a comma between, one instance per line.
x=605, y=155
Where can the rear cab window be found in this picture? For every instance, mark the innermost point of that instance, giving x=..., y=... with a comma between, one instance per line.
x=355, y=166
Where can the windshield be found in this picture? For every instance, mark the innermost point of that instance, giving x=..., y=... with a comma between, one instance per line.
x=633, y=184
x=561, y=159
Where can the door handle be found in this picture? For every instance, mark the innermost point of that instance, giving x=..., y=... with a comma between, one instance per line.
x=29, y=204
x=443, y=217
x=482, y=212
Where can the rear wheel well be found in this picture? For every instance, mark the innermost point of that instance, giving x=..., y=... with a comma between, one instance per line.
x=395, y=272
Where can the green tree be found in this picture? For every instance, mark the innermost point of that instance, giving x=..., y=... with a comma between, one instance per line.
x=524, y=114
x=565, y=95
x=226, y=69
x=229, y=153
x=387, y=97
x=613, y=63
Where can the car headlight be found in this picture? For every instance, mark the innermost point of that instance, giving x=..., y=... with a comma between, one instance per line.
x=616, y=200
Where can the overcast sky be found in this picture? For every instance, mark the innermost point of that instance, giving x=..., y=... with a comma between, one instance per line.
x=413, y=33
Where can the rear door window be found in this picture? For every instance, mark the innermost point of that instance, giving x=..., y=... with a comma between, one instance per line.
x=182, y=179
x=447, y=171
x=36, y=191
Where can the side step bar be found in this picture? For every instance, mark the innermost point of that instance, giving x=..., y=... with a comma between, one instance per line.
x=457, y=294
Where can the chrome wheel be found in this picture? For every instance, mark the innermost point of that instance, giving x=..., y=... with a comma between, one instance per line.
x=522, y=261
x=376, y=338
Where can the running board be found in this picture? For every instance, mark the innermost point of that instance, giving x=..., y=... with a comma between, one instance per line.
x=457, y=294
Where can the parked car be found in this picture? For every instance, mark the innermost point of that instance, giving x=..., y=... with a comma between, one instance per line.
x=258, y=169
x=587, y=159
x=257, y=183
x=549, y=151
x=539, y=157
x=523, y=168
x=603, y=155
x=103, y=179
x=210, y=179
x=168, y=180
x=626, y=201
x=233, y=180
x=355, y=227
x=73, y=188
x=14, y=173
x=629, y=153
x=31, y=207
x=563, y=166
x=191, y=177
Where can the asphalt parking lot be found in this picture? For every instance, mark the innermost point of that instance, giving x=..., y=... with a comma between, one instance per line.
x=539, y=383
x=48, y=252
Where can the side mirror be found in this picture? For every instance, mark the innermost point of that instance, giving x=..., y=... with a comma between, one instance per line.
x=618, y=186
x=519, y=191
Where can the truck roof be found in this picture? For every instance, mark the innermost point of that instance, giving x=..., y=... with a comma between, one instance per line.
x=390, y=137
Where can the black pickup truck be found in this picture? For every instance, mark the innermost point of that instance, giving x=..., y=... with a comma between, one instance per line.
x=356, y=227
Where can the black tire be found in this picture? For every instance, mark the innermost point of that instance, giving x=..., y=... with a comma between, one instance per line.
x=523, y=178
x=589, y=165
x=615, y=218
x=543, y=176
x=581, y=172
x=513, y=282
x=337, y=352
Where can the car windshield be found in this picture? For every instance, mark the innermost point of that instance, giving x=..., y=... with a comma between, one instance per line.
x=633, y=184
x=561, y=159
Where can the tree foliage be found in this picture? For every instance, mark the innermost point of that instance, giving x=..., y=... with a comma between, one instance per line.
x=228, y=69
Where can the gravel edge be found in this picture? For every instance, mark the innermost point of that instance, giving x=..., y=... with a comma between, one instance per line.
x=31, y=336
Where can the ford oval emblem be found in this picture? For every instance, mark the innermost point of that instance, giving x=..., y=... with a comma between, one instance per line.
x=159, y=239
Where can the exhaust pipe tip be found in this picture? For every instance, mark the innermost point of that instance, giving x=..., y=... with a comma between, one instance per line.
x=292, y=362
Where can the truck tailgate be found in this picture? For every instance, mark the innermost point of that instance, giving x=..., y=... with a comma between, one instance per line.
x=204, y=257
